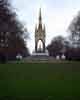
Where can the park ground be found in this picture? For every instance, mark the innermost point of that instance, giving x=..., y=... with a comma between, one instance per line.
x=40, y=81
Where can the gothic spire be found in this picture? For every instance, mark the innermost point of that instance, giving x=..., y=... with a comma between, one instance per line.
x=44, y=29
x=40, y=20
x=40, y=17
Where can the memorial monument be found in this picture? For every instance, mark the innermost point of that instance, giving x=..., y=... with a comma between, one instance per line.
x=40, y=37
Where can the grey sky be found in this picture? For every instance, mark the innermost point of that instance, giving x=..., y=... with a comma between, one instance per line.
x=57, y=14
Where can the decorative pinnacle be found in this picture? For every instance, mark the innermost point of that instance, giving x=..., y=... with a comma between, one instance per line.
x=40, y=18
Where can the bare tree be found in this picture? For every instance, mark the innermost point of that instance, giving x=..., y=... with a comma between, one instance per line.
x=11, y=31
x=74, y=30
x=56, y=46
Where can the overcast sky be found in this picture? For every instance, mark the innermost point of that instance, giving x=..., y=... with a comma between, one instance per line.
x=56, y=14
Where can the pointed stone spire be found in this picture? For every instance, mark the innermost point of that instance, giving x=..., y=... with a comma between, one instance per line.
x=40, y=20
x=44, y=29
x=40, y=17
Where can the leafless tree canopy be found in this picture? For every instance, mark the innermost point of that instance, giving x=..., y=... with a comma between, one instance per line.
x=12, y=31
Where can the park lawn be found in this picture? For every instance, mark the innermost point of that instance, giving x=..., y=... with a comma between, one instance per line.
x=40, y=81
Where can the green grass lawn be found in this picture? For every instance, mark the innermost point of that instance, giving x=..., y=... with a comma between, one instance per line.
x=40, y=81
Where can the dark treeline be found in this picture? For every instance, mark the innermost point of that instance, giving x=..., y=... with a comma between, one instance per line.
x=12, y=33
x=69, y=46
